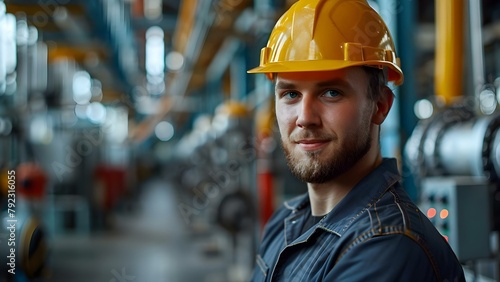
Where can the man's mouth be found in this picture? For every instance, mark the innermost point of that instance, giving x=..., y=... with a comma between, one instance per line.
x=311, y=144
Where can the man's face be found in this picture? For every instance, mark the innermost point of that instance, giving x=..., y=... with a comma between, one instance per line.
x=324, y=120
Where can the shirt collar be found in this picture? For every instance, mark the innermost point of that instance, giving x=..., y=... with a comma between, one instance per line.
x=362, y=196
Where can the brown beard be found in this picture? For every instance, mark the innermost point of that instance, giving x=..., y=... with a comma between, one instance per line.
x=320, y=168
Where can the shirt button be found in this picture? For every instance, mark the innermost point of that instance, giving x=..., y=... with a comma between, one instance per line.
x=294, y=221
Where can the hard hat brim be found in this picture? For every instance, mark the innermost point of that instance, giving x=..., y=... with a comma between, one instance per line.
x=395, y=73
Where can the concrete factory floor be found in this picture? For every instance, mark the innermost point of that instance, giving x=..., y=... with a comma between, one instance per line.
x=151, y=245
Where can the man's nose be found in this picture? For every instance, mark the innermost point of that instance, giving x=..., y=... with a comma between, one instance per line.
x=308, y=114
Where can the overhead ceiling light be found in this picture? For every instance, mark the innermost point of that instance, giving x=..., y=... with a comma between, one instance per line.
x=96, y=112
x=174, y=61
x=82, y=87
x=10, y=23
x=155, y=51
x=164, y=131
x=3, y=57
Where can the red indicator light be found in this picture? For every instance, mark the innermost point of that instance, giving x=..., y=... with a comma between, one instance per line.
x=445, y=237
x=431, y=212
x=443, y=214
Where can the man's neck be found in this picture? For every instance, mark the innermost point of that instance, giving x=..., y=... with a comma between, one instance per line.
x=325, y=196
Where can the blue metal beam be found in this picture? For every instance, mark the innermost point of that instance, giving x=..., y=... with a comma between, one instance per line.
x=406, y=18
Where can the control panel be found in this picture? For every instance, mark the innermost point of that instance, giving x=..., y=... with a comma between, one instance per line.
x=460, y=209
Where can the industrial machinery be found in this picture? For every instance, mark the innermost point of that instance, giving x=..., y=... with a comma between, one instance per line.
x=216, y=176
x=55, y=137
x=455, y=158
x=454, y=152
x=23, y=182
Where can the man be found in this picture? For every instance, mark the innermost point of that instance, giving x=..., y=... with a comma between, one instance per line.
x=330, y=61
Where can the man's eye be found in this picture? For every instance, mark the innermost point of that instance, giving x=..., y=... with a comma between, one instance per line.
x=291, y=95
x=332, y=93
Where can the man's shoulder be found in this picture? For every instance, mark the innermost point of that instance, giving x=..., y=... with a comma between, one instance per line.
x=393, y=211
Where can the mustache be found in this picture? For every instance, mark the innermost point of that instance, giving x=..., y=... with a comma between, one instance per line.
x=311, y=135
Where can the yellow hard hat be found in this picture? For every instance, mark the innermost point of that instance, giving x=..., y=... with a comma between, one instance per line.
x=321, y=35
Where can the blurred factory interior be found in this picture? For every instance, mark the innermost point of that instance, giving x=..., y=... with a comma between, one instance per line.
x=141, y=150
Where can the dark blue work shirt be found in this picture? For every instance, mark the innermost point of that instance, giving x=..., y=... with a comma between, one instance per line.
x=376, y=233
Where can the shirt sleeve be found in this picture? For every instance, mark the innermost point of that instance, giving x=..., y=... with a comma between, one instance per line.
x=385, y=258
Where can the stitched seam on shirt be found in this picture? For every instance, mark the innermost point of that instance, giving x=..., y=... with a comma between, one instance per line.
x=404, y=214
x=369, y=205
x=358, y=240
x=391, y=230
x=285, y=231
x=355, y=217
x=386, y=230
x=329, y=230
x=415, y=238
x=371, y=218
x=378, y=218
x=262, y=265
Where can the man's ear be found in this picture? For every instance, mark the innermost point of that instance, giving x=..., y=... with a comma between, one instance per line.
x=383, y=106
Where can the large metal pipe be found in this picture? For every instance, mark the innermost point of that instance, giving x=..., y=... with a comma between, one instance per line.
x=461, y=148
x=456, y=142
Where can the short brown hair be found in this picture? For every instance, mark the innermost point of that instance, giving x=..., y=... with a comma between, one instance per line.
x=377, y=80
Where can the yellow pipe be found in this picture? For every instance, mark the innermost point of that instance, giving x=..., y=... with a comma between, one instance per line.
x=449, y=49
x=185, y=24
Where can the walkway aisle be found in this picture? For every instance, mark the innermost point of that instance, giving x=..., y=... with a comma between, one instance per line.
x=153, y=245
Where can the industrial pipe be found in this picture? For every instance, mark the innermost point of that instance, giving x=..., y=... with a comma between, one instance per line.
x=449, y=50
